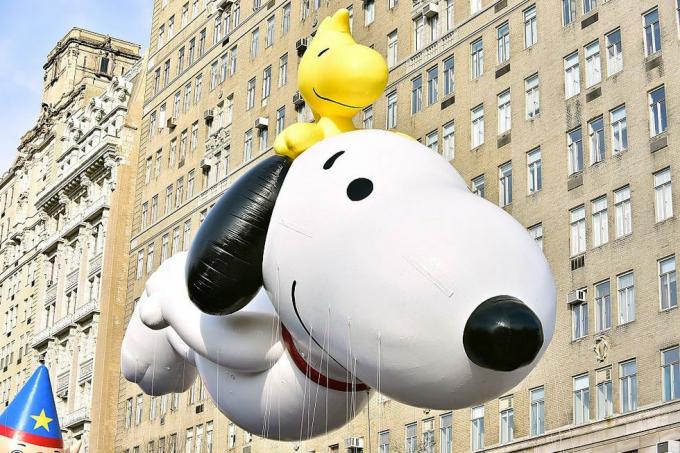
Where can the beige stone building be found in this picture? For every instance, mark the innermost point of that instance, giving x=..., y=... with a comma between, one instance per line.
x=561, y=112
x=65, y=232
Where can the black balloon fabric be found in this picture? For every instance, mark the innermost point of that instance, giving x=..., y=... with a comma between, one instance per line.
x=224, y=265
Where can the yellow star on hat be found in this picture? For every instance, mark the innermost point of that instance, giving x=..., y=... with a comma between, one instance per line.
x=42, y=421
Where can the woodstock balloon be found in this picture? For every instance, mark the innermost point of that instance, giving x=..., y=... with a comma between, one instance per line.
x=351, y=260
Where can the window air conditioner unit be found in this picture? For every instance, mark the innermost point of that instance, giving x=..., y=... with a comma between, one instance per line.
x=171, y=123
x=301, y=46
x=298, y=100
x=262, y=123
x=208, y=115
x=576, y=297
x=430, y=9
x=354, y=442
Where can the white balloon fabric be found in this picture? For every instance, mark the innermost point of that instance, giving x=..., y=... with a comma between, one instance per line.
x=380, y=269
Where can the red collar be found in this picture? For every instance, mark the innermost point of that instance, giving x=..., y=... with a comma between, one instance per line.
x=312, y=373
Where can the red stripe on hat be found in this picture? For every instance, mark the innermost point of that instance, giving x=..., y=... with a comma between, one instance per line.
x=33, y=439
x=312, y=373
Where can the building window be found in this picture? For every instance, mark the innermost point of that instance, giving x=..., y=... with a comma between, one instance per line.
x=572, y=78
x=283, y=70
x=233, y=53
x=478, y=184
x=418, y=32
x=603, y=306
x=624, y=223
x=663, y=192
x=280, y=119
x=575, y=150
x=367, y=117
x=503, y=43
x=671, y=373
x=568, y=11
x=214, y=75
x=248, y=146
x=504, y=112
x=449, y=140
x=445, y=433
x=266, y=84
x=668, y=286
x=507, y=422
x=536, y=233
x=614, y=52
x=619, y=129
x=139, y=407
x=269, y=37
x=154, y=208
x=581, y=399
x=532, y=97
x=384, y=442
x=250, y=96
x=593, y=68
x=475, y=6
x=652, y=32
x=449, y=76
x=411, y=440
x=530, y=27
x=477, y=424
x=369, y=12
x=537, y=411
x=589, y=5
x=392, y=42
x=285, y=21
x=263, y=137
x=432, y=85
x=428, y=436
x=416, y=95
x=449, y=14
x=392, y=110
x=432, y=141
x=534, y=171
x=477, y=55
x=657, y=111
x=626, y=297
x=505, y=184
x=149, y=262
x=140, y=264
x=128, y=412
x=600, y=219
x=254, y=43
x=477, y=121
x=578, y=230
x=168, y=199
x=604, y=393
x=628, y=377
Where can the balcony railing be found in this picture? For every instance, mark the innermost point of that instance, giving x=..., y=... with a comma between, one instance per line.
x=61, y=325
x=72, y=279
x=51, y=293
x=41, y=337
x=76, y=418
x=95, y=264
x=86, y=310
x=86, y=369
x=63, y=380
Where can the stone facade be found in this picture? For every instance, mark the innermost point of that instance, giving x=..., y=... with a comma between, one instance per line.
x=193, y=146
x=65, y=238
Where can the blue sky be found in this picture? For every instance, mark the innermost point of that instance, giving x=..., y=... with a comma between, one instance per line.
x=29, y=29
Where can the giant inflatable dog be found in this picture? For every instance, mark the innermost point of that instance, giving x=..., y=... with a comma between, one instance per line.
x=364, y=262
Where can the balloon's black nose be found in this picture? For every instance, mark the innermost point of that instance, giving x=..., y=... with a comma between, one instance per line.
x=502, y=334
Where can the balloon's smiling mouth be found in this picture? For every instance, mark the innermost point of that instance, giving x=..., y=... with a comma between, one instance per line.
x=292, y=296
x=334, y=102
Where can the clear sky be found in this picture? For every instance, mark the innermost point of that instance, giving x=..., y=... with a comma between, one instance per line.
x=29, y=29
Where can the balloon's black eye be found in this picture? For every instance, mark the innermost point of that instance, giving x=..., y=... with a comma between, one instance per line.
x=324, y=51
x=359, y=189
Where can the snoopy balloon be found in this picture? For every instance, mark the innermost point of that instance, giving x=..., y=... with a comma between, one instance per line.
x=350, y=260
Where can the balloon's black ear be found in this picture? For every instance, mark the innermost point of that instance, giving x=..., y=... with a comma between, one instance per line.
x=224, y=266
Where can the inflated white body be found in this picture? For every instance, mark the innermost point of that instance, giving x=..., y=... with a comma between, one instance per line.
x=393, y=278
